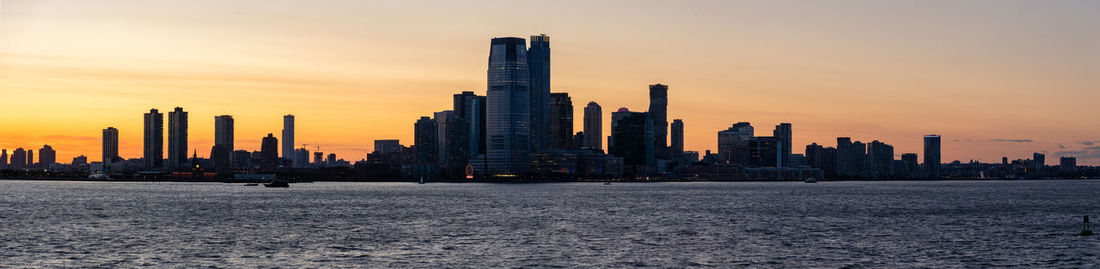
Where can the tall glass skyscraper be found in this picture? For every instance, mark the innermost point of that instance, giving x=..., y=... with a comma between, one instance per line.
x=177, y=138
x=932, y=156
x=110, y=147
x=508, y=107
x=538, y=60
x=658, y=113
x=593, y=126
x=288, y=139
x=561, y=121
x=676, y=148
x=154, y=140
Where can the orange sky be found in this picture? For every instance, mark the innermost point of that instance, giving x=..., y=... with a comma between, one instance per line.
x=976, y=72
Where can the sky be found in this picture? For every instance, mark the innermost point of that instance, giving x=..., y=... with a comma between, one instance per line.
x=996, y=79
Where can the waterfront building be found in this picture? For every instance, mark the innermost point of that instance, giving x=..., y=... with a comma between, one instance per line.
x=508, y=111
x=470, y=108
x=109, y=147
x=538, y=63
x=269, y=153
x=658, y=114
x=783, y=133
x=593, y=126
x=561, y=121
x=177, y=139
x=288, y=140
x=932, y=156
x=153, y=144
x=46, y=156
x=733, y=144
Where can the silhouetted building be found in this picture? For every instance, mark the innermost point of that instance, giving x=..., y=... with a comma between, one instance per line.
x=658, y=113
x=319, y=159
x=733, y=144
x=561, y=121
x=454, y=142
x=826, y=160
x=288, y=140
x=911, y=166
x=1067, y=163
x=538, y=62
x=676, y=147
x=443, y=121
x=783, y=133
x=426, y=140
x=110, y=147
x=18, y=159
x=691, y=156
x=80, y=160
x=881, y=156
x=331, y=160
x=302, y=155
x=471, y=108
x=269, y=153
x=593, y=126
x=242, y=159
x=387, y=146
x=221, y=157
x=224, y=132
x=632, y=138
x=177, y=139
x=764, y=151
x=46, y=156
x=509, y=107
x=3, y=159
x=932, y=156
x=30, y=158
x=153, y=140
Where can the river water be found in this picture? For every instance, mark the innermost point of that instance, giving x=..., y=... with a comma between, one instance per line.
x=1027, y=224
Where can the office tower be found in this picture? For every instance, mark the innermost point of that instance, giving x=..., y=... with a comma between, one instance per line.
x=561, y=121
x=288, y=139
x=690, y=156
x=825, y=159
x=331, y=160
x=223, y=131
x=110, y=147
x=765, y=151
x=302, y=155
x=1040, y=160
x=30, y=158
x=177, y=139
x=932, y=156
x=1067, y=163
x=3, y=159
x=658, y=113
x=471, y=108
x=676, y=147
x=538, y=62
x=733, y=143
x=18, y=159
x=844, y=165
x=269, y=153
x=426, y=140
x=783, y=133
x=911, y=165
x=387, y=146
x=509, y=108
x=442, y=119
x=578, y=140
x=318, y=159
x=881, y=156
x=632, y=138
x=80, y=160
x=222, y=157
x=593, y=126
x=153, y=147
x=46, y=156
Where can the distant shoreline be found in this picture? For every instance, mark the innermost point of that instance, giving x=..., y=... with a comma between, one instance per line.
x=523, y=181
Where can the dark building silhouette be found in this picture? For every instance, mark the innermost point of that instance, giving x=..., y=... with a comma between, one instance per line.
x=177, y=139
x=454, y=141
x=561, y=121
x=110, y=147
x=881, y=156
x=632, y=138
x=241, y=159
x=387, y=146
x=783, y=133
x=30, y=158
x=153, y=147
x=318, y=159
x=912, y=167
x=426, y=141
x=288, y=140
x=3, y=159
x=470, y=108
x=538, y=62
x=302, y=155
x=508, y=113
x=593, y=126
x=733, y=144
x=80, y=160
x=826, y=160
x=676, y=147
x=221, y=157
x=224, y=132
x=18, y=159
x=1067, y=163
x=932, y=156
x=764, y=151
x=269, y=153
x=658, y=113
x=46, y=156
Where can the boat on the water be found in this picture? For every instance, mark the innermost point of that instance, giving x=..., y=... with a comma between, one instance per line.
x=421, y=180
x=277, y=184
x=251, y=184
x=607, y=182
x=811, y=180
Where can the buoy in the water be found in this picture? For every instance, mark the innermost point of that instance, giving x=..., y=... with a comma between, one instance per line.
x=1087, y=229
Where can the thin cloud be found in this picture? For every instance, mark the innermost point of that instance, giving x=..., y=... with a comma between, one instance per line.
x=1012, y=140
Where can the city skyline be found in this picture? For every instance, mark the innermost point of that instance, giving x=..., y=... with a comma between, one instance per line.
x=1008, y=111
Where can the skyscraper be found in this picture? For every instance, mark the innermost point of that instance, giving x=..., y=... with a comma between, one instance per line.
x=593, y=126
x=288, y=139
x=471, y=109
x=561, y=121
x=509, y=107
x=425, y=139
x=269, y=153
x=154, y=140
x=932, y=156
x=387, y=146
x=538, y=60
x=632, y=139
x=881, y=156
x=110, y=147
x=177, y=139
x=733, y=143
x=676, y=149
x=3, y=159
x=443, y=119
x=783, y=133
x=46, y=156
x=658, y=113
x=18, y=159
x=223, y=132
x=30, y=158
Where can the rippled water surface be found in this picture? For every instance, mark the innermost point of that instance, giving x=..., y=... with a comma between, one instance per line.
x=836, y=224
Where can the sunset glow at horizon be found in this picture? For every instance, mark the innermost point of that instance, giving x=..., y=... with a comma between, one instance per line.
x=994, y=78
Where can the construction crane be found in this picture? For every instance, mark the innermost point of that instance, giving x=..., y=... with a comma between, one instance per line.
x=316, y=148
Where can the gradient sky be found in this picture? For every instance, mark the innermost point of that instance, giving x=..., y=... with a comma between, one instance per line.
x=995, y=78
